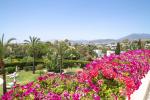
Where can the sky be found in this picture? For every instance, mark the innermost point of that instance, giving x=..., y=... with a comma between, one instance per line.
x=73, y=19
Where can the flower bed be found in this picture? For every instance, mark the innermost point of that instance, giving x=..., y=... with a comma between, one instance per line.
x=110, y=78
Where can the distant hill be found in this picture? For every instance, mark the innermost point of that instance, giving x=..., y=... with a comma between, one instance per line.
x=130, y=37
x=79, y=41
x=98, y=41
x=136, y=36
x=103, y=41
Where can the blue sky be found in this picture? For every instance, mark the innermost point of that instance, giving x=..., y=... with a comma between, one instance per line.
x=73, y=19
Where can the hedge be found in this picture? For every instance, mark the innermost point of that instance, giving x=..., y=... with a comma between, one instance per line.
x=70, y=63
x=66, y=63
x=10, y=70
x=22, y=64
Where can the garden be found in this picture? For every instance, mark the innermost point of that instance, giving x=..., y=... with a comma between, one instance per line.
x=113, y=77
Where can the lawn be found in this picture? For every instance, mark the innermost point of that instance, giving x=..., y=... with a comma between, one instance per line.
x=72, y=70
x=23, y=78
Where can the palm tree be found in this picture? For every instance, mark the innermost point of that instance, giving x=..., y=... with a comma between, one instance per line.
x=3, y=47
x=33, y=41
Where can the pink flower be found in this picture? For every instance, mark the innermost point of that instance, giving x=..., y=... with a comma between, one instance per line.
x=100, y=82
x=93, y=73
x=96, y=89
x=76, y=96
x=96, y=97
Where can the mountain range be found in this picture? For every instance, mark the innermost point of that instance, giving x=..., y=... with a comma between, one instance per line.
x=131, y=37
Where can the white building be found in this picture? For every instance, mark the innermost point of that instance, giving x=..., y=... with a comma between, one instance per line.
x=98, y=52
x=147, y=45
x=109, y=52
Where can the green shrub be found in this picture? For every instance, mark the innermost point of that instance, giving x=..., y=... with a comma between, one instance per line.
x=117, y=51
x=10, y=70
x=71, y=63
x=28, y=68
x=39, y=67
x=55, y=70
x=66, y=64
x=40, y=72
x=22, y=64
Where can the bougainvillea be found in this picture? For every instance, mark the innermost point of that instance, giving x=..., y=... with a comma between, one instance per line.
x=112, y=78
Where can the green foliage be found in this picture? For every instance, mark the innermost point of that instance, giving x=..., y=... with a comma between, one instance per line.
x=60, y=48
x=50, y=64
x=51, y=59
x=90, y=49
x=40, y=72
x=28, y=68
x=10, y=69
x=71, y=53
x=104, y=50
x=3, y=46
x=139, y=44
x=71, y=63
x=8, y=60
x=133, y=46
x=27, y=59
x=33, y=42
x=22, y=64
x=117, y=51
x=39, y=67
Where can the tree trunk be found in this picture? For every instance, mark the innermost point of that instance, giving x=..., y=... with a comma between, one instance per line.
x=4, y=76
x=33, y=68
x=4, y=82
x=61, y=63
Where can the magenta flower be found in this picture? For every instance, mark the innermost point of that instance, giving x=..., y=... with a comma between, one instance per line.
x=76, y=96
x=96, y=97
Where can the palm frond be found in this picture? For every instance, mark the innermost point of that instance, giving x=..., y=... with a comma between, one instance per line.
x=38, y=39
x=27, y=41
x=3, y=45
x=31, y=39
x=11, y=39
x=2, y=40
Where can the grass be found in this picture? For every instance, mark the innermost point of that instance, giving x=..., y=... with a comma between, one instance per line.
x=72, y=70
x=23, y=78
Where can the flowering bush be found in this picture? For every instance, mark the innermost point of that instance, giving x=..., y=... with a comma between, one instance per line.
x=111, y=78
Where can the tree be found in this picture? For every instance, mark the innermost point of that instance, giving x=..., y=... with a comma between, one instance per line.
x=33, y=41
x=139, y=44
x=3, y=47
x=41, y=49
x=117, y=51
x=82, y=50
x=16, y=50
x=60, y=48
x=90, y=50
x=51, y=59
x=71, y=53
